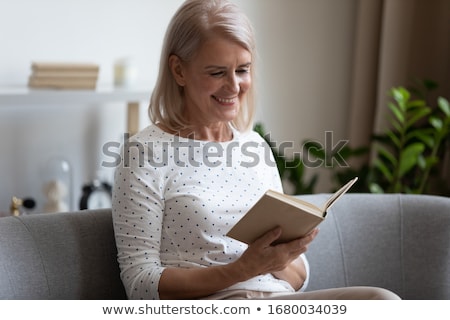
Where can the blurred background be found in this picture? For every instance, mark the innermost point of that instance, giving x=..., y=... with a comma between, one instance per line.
x=324, y=66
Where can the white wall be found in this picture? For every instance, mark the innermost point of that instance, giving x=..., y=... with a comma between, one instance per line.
x=305, y=62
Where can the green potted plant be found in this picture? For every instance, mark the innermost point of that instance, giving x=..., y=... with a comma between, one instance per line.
x=408, y=151
x=406, y=156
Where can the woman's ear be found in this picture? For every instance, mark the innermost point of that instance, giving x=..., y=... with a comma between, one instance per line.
x=176, y=68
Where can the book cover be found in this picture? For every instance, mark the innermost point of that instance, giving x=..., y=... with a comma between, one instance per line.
x=295, y=216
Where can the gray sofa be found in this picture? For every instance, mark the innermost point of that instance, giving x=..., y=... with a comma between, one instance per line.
x=399, y=242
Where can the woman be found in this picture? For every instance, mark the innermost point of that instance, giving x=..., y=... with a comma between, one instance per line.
x=188, y=178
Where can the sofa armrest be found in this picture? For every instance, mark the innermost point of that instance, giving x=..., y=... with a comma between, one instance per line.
x=395, y=241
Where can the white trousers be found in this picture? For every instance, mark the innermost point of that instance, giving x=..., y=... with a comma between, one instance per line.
x=346, y=293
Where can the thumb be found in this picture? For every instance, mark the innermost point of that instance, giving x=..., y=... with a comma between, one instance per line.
x=269, y=237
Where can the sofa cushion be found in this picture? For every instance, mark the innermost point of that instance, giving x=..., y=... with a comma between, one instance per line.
x=59, y=256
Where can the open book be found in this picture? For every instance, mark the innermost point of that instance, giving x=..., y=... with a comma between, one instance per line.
x=296, y=217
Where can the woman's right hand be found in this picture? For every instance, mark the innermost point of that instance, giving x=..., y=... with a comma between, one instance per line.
x=261, y=257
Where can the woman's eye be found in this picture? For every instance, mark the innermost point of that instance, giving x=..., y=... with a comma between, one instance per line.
x=242, y=71
x=217, y=74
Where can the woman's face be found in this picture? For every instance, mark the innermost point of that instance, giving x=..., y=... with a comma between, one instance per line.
x=215, y=81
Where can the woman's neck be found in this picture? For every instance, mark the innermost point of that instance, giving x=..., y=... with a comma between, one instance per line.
x=220, y=132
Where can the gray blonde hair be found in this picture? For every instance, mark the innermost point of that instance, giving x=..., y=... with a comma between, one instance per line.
x=195, y=22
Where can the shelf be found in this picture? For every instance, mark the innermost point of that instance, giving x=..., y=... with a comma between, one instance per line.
x=24, y=96
x=15, y=96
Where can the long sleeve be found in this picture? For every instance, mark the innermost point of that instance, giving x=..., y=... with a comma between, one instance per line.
x=138, y=207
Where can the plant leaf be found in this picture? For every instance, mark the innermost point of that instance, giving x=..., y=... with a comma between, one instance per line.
x=431, y=161
x=444, y=106
x=421, y=162
x=430, y=84
x=401, y=95
x=388, y=155
x=409, y=156
x=418, y=103
x=375, y=188
x=397, y=112
x=417, y=115
x=424, y=135
x=436, y=123
x=394, y=138
x=383, y=169
x=398, y=126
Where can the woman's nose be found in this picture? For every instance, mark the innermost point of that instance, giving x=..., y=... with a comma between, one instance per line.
x=233, y=83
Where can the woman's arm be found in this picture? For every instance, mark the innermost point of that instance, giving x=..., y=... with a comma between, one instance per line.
x=193, y=283
x=295, y=273
x=260, y=258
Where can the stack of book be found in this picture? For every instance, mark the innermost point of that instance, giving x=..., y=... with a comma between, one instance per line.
x=48, y=75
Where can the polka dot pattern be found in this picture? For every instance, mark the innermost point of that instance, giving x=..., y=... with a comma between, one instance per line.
x=174, y=199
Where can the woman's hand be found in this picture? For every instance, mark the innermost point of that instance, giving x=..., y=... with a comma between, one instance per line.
x=281, y=260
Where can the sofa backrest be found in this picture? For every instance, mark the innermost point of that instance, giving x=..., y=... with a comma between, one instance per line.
x=59, y=256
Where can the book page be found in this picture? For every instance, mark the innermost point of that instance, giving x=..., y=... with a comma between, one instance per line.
x=296, y=202
x=338, y=193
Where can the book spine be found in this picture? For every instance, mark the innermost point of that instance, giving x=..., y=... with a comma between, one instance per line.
x=44, y=74
x=58, y=84
x=65, y=67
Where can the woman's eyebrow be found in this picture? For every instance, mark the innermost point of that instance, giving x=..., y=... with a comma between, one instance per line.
x=245, y=65
x=216, y=67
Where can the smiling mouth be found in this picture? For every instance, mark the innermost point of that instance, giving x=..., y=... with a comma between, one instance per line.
x=225, y=100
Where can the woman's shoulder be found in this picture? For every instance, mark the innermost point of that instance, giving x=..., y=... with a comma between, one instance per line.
x=151, y=133
x=150, y=141
x=249, y=136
